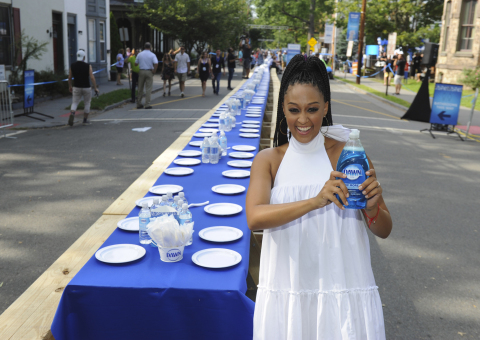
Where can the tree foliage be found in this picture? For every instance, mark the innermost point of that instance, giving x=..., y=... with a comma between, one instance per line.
x=471, y=77
x=30, y=49
x=197, y=23
x=115, y=42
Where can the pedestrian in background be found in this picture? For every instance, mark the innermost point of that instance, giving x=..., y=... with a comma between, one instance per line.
x=168, y=72
x=407, y=70
x=260, y=59
x=400, y=73
x=135, y=70
x=128, y=53
x=82, y=74
x=247, y=57
x=387, y=71
x=217, y=63
x=284, y=60
x=148, y=64
x=204, y=67
x=417, y=61
x=182, y=68
x=119, y=65
x=231, y=60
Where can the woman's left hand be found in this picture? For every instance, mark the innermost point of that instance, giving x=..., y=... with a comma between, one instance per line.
x=371, y=189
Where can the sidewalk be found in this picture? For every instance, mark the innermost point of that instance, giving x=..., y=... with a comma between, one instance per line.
x=56, y=107
x=409, y=96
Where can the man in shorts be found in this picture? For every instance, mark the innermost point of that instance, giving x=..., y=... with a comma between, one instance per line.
x=400, y=65
x=182, y=68
x=82, y=74
x=247, y=57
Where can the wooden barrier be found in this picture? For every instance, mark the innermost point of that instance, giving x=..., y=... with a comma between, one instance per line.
x=31, y=315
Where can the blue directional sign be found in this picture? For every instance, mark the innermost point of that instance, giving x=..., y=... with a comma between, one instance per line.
x=293, y=50
x=29, y=89
x=446, y=104
x=353, y=26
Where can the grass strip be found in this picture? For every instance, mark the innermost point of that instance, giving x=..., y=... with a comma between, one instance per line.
x=106, y=99
x=377, y=93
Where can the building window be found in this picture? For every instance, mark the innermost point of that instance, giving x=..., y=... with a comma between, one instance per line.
x=467, y=25
x=92, y=41
x=101, y=30
x=448, y=9
x=5, y=38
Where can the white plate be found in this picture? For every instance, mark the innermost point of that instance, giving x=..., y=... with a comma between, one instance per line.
x=196, y=143
x=251, y=122
x=148, y=200
x=220, y=234
x=252, y=115
x=202, y=134
x=223, y=209
x=178, y=171
x=208, y=130
x=190, y=153
x=240, y=164
x=236, y=173
x=215, y=114
x=163, y=189
x=254, y=109
x=216, y=258
x=210, y=125
x=250, y=126
x=120, y=253
x=241, y=154
x=244, y=148
x=249, y=135
x=129, y=224
x=249, y=130
x=228, y=189
x=187, y=161
x=214, y=120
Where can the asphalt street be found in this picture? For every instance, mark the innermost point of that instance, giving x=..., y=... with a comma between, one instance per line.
x=55, y=183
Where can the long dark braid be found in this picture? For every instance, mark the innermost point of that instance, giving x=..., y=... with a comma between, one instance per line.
x=300, y=71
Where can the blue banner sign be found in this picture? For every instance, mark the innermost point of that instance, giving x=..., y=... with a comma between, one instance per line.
x=293, y=50
x=353, y=26
x=446, y=104
x=29, y=88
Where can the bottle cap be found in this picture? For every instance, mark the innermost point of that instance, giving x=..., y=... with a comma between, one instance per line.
x=164, y=198
x=144, y=205
x=184, y=206
x=222, y=133
x=180, y=203
x=155, y=201
x=181, y=194
x=354, y=134
x=169, y=194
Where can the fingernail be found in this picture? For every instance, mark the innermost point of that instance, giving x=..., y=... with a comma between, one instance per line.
x=364, y=192
x=360, y=187
x=348, y=195
x=343, y=208
x=366, y=196
x=367, y=173
x=344, y=176
x=346, y=203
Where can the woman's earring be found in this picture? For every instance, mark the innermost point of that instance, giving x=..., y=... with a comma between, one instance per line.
x=280, y=128
x=325, y=133
x=289, y=134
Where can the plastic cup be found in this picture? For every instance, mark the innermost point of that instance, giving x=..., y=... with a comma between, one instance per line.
x=173, y=254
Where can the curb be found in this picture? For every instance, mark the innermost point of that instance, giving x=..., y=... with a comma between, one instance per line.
x=383, y=100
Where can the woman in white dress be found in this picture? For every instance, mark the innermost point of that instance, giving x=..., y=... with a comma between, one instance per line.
x=316, y=279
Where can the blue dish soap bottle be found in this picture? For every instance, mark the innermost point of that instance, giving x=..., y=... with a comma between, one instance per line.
x=354, y=163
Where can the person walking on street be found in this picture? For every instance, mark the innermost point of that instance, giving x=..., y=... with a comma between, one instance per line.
x=231, y=60
x=400, y=73
x=204, y=67
x=82, y=74
x=182, y=68
x=217, y=63
x=247, y=57
x=387, y=76
x=167, y=72
x=135, y=70
x=119, y=65
x=148, y=64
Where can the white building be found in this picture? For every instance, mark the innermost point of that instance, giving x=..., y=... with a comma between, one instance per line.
x=66, y=26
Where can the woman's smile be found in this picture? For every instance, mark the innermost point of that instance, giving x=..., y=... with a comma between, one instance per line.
x=304, y=130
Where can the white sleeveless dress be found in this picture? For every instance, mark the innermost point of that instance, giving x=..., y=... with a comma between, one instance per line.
x=316, y=279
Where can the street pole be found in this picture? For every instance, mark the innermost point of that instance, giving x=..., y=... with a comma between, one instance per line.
x=474, y=101
x=360, y=39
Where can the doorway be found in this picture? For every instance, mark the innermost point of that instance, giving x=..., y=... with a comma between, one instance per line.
x=57, y=35
x=72, y=38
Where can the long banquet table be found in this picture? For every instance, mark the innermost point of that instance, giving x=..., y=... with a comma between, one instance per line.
x=151, y=299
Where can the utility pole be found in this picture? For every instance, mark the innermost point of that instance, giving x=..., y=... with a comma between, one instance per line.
x=360, y=39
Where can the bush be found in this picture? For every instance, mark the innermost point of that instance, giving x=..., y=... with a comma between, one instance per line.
x=58, y=88
x=471, y=77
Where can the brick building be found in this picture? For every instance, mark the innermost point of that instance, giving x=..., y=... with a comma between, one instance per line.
x=459, y=41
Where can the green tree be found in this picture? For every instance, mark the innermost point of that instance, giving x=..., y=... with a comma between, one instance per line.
x=115, y=42
x=30, y=49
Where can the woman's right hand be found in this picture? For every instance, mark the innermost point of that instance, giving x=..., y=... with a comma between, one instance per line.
x=333, y=186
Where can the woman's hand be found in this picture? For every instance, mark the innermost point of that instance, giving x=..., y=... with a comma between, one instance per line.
x=371, y=189
x=333, y=186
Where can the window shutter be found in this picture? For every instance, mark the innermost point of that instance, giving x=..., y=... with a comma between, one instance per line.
x=17, y=33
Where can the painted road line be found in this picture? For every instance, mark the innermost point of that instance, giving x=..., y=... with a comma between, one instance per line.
x=10, y=135
x=382, y=128
x=361, y=108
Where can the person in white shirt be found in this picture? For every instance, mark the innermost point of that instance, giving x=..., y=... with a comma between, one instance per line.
x=182, y=68
x=148, y=63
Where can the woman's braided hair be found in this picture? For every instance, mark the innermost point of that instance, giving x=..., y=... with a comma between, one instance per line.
x=300, y=71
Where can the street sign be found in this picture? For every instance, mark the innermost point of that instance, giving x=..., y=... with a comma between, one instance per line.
x=354, y=68
x=293, y=49
x=328, y=37
x=312, y=42
x=392, y=42
x=353, y=26
x=446, y=104
x=268, y=27
x=28, y=88
x=349, y=48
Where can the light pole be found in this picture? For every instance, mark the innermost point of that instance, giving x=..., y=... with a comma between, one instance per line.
x=360, y=39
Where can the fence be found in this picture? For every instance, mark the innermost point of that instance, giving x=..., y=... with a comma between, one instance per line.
x=6, y=112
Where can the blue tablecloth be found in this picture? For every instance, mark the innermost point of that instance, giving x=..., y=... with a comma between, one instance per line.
x=151, y=299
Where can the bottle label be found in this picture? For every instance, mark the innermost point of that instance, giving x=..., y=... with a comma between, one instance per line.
x=353, y=172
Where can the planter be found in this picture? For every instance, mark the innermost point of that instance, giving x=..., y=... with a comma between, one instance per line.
x=113, y=75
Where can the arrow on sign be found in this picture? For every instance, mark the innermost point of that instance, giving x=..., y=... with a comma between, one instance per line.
x=29, y=99
x=442, y=115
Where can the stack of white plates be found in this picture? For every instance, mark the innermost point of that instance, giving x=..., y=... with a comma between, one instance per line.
x=178, y=171
x=236, y=173
x=228, y=189
x=220, y=234
x=187, y=161
x=244, y=148
x=249, y=135
x=216, y=258
x=192, y=153
x=165, y=188
x=240, y=164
